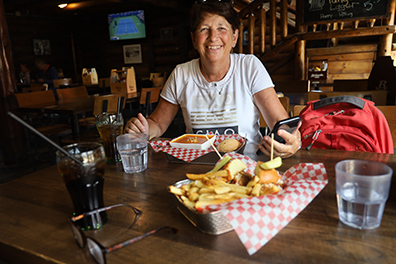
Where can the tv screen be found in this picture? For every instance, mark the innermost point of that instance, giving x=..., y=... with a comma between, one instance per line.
x=127, y=25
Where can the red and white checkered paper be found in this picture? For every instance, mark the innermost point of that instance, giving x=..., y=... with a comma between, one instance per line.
x=258, y=219
x=188, y=155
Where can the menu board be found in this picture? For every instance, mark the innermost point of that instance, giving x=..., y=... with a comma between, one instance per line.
x=316, y=11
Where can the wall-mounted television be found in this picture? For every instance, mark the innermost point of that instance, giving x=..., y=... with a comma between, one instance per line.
x=127, y=25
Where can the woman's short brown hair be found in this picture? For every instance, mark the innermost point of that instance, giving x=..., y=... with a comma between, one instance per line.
x=224, y=9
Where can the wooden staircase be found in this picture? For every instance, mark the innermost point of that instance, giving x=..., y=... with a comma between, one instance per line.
x=273, y=31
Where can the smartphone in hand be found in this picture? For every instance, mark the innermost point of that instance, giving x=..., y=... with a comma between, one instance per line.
x=292, y=122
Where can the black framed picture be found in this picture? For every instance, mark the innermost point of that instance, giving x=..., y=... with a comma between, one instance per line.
x=41, y=47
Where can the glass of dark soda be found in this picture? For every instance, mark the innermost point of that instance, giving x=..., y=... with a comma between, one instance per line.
x=84, y=181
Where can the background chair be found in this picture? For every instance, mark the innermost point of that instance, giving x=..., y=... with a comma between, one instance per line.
x=294, y=86
x=297, y=109
x=350, y=85
x=158, y=78
x=90, y=133
x=112, y=105
x=62, y=82
x=46, y=124
x=104, y=82
x=70, y=94
x=377, y=96
x=389, y=112
x=34, y=87
x=148, y=97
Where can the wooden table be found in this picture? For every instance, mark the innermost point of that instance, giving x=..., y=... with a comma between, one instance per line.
x=73, y=108
x=34, y=212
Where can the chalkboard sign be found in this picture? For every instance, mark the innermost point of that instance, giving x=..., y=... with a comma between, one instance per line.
x=316, y=11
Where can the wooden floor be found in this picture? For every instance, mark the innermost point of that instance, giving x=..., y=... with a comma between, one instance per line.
x=8, y=173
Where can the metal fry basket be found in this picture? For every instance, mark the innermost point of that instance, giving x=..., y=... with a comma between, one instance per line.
x=214, y=223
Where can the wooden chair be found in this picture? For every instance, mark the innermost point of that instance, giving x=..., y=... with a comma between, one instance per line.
x=159, y=81
x=158, y=78
x=351, y=85
x=148, y=97
x=112, y=105
x=34, y=88
x=285, y=101
x=104, y=82
x=35, y=98
x=62, y=82
x=44, y=124
x=157, y=75
x=294, y=86
x=378, y=97
x=389, y=112
x=69, y=94
x=297, y=109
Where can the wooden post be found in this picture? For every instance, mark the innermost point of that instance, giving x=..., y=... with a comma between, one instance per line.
x=12, y=135
x=273, y=22
x=240, y=38
x=385, y=44
x=284, y=17
x=263, y=24
x=299, y=60
x=251, y=33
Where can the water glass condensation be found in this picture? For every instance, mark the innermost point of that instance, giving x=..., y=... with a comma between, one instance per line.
x=362, y=190
x=133, y=151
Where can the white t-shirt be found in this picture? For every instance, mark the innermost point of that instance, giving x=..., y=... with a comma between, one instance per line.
x=224, y=107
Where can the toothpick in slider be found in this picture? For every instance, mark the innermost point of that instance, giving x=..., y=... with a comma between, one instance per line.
x=214, y=147
x=272, y=146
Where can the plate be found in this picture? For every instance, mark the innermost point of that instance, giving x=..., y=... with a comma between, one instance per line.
x=211, y=158
x=193, y=141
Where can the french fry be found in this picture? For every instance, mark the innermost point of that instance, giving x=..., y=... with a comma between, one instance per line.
x=208, y=189
x=185, y=187
x=222, y=196
x=221, y=189
x=192, y=190
x=199, y=184
x=256, y=189
x=175, y=190
x=193, y=197
x=203, y=203
x=187, y=202
x=220, y=173
x=253, y=181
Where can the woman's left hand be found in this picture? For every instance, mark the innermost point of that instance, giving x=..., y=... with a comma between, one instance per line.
x=291, y=146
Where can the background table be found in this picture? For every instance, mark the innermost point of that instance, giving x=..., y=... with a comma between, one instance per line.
x=34, y=212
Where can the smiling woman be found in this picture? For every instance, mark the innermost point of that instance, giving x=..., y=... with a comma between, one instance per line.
x=221, y=92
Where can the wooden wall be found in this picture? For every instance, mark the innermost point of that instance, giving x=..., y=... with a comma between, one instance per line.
x=92, y=46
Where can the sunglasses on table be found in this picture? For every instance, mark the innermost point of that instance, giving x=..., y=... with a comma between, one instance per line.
x=97, y=250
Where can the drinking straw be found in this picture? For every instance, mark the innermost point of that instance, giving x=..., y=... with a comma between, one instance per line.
x=44, y=137
x=272, y=146
x=214, y=147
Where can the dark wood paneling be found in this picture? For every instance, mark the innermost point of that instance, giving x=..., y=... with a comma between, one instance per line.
x=89, y=32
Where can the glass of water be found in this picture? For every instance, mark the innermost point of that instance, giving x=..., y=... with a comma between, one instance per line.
x=133, y=150
x=362, y=191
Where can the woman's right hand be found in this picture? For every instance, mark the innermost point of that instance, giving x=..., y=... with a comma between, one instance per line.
x=137, y=124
